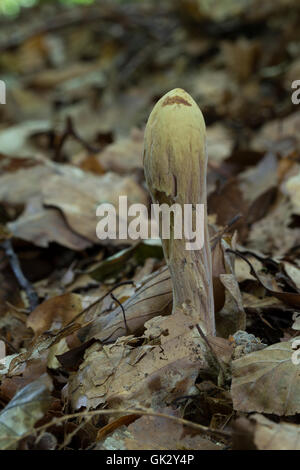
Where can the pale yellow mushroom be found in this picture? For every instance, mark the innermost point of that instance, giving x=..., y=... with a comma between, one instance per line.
x=175, y=164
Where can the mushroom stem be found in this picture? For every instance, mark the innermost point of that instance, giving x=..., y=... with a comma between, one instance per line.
x=175, y=164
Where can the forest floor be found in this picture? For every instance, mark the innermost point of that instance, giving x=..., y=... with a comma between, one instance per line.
x=90, y=355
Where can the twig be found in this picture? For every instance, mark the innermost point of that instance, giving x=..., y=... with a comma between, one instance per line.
x=16, y=267
x=217, y=237
x=9, y=344
x=123, y=283
x=213, y=354
x=70, y=131
x=57, y=421
x=123, y=311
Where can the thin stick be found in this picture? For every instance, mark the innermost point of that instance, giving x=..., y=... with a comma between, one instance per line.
x=217, y=237
x=214, y=356
x=16, y=267
x=70, y=131
x=123, y=283
x=57, y=421
x=9, y=344
x=123, y=311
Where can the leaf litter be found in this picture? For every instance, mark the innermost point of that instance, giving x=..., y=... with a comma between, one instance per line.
x=102, y=340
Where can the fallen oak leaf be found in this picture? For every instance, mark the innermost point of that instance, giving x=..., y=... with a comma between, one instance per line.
x=267, y=381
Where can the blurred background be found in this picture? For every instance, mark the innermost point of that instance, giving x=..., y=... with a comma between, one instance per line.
x=81, y=79
x=104, y=63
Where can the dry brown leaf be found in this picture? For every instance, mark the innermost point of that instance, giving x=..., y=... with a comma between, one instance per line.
x=78, y=194
x=2, y=349
x=274, y=130
x=240, y=57
x=41, y=226
x=152, y=299
x=54, y=313
x=200, y=9
x=232, y=316
x=52, y=77
x=293, y=271
x=219, y=141
x=27, y=407
x=74, y=192
x=267, y=381
x=227, y=202
x=272, y=235
x=23, y=376
x=123, y=376
x=270, y=285
x=257, y=180
x=15, y=140
x=242, y=270
x=37, y=346
x=20, y=185
x=124, y=155
x=292, y=186
x=275, y=436
x=155, y=433
x=253, y=302
x=296, y=318
x=212, y=87
x=218, y=268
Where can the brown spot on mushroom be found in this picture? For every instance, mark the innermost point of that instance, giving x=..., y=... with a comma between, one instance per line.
x=175, y=100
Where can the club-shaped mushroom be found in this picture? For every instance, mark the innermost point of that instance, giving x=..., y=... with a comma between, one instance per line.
x=175, y=163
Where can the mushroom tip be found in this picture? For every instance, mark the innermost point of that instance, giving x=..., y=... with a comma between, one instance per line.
x=177, y=90
x=177, y=96
x=175, y=117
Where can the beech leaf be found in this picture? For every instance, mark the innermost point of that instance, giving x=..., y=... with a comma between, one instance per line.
x=267, y=381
